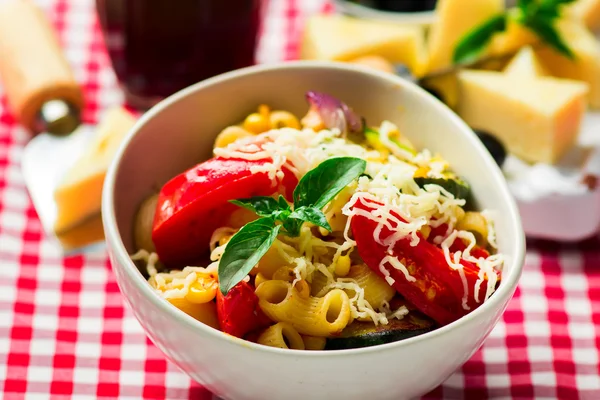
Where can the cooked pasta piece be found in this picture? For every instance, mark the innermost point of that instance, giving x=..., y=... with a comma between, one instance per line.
x=272, y=261
x=282, y=335
x=319, y=281
x=144, y=219
x=205, y=312
x=283, y=119
x=314, y=316
x=230, y=135
x=314, y=342
x=475, y=223
x=377, y=290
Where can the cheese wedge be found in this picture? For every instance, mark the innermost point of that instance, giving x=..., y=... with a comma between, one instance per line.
x=537, y=119
x=446, y=85
x=588, y=11
x=455, y=18
x=79, y=195
x=341, y=38
x=526, y=64
x=586, y=65
x=87, y=232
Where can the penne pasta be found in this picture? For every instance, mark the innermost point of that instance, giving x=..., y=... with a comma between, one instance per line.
x=314, y=316
x=377, y=290
x=282, y=335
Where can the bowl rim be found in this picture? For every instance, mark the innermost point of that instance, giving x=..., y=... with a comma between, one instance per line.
x=122, y=257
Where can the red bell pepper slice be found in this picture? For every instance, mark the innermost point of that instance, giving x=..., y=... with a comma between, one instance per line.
x=238, y=311
x=459, y=244
x=195, y=203
x=438, y=289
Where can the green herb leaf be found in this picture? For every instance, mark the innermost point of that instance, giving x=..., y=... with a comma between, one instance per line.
x=321, y=184
x=524, y=4
x=545, y=29
x=292, y=226
x=474, y=42
x=312, y=215
x=283, y=204
x=262, y=205
x=244, y=251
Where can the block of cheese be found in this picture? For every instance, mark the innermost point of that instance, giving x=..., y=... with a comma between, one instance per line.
x=444, y=84
x=89, y=231
x=537, y=119
x=342, y=38
x=455, y=18
x=586, y=65
x=588, y=11
x=78, y=197
x=526, y=64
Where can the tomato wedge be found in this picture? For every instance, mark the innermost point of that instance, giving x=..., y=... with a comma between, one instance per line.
x=193, y=204
x=238, y=311
x=437, y=290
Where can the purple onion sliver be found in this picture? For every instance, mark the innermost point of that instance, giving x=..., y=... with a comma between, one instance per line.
x=335, y=114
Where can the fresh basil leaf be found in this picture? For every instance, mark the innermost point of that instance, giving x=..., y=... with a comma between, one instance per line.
x=312, y=215
x=470, y=47
x=292, y=226
x=549, y=34
x=283, y=204
x=524, y=4
x=262, y=205
x=244, y=251
x=321, y=184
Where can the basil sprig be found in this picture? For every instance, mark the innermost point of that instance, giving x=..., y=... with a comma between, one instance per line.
x=314, y=191
x=539, y=16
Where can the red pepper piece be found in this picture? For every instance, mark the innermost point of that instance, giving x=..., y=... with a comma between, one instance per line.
x=459, y=244
x=238, y=311
x=438, y=290
x=193, y=204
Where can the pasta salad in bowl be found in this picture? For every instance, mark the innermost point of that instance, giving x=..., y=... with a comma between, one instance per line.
x=318, y=233
x=324, y=232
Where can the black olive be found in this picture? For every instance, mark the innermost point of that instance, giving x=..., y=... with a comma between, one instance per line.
x=404, y=5
x=494, y=146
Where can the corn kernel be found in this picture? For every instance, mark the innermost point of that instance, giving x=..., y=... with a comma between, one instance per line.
x=342, y=267
x=256, y=123
x=303, y=289
x=421, y=172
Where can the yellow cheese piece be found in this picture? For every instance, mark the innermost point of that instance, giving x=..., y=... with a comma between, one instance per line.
x=526, y=64
x=78, y=196
x=455, y=18
x=446, y=85
x=89, y=231
x=586, y=65
x=537, y=119
x=588, y=11
x=341, y=38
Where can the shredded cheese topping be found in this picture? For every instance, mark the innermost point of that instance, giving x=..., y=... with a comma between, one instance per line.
x=388, y=188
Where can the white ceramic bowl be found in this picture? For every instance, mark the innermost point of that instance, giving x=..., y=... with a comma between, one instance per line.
x=179, y=132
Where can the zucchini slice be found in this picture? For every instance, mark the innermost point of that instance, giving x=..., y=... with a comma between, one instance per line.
x=365, y=334
x=452, y=183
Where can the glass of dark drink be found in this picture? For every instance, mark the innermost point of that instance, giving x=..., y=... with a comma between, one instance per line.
x=158, y=47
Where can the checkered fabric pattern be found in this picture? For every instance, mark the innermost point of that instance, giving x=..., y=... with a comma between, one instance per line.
x=65, y=332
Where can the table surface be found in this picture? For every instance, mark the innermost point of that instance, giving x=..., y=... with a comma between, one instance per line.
x=65, y=331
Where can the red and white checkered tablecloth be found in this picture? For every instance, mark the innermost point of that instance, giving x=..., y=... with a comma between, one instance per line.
x=65, y=332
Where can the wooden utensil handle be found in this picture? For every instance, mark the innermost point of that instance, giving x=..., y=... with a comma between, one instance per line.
x=32, y=66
